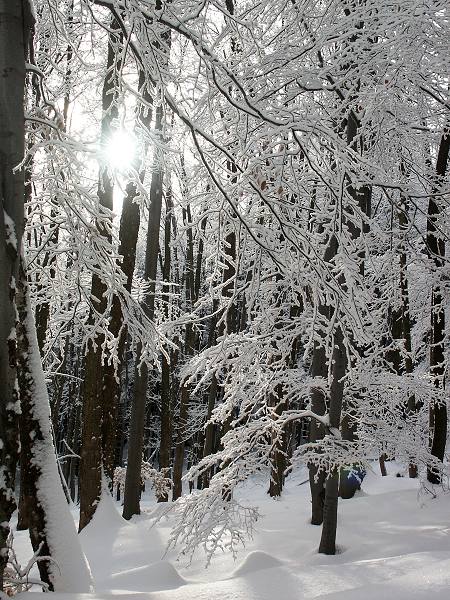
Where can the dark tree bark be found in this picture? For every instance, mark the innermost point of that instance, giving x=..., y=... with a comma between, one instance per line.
x=166, y=408
x=357, y=228
x=208, y=443
x=382, y=462
x=128, y=236
x=316, y=432
x=319, y=368
x=180, y=443
x=405, y=316
x=16, y=23
x=30, y=432
x=42, y=490
x=279, y=453
x=278, y=458
x=361, y=198
x=189, y=345
x=95, y=398
x=229, y=323
x=339, y=369
x=436, y=252
x=132, y=491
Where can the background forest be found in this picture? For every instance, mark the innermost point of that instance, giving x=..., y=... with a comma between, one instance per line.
x=222, y=255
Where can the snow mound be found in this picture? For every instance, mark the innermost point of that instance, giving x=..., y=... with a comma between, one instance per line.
x=106, y=517
x=158, y=576
x=256, y=561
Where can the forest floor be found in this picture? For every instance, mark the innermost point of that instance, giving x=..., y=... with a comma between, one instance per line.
x=394, y=543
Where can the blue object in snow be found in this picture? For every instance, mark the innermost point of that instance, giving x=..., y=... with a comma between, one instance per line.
x=350, y=480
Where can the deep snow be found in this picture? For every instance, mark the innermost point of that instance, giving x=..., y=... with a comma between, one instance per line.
x=394, y=543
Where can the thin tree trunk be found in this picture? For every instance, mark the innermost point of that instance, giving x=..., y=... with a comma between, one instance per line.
x=405, y=316
x=339, y=369
x=208, y=445
x=319, y=368
x=382, y=462
x=165, y=439
x=189, y=345
x=128, y=236
x=95, y=397
x=279, y=453
x=339, y=358
x=436, y=251
x=132, y=491
x=180, y=444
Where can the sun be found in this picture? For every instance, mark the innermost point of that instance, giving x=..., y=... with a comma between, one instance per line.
x=120, y=150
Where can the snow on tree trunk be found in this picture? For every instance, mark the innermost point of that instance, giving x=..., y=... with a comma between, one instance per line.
x=52, y=529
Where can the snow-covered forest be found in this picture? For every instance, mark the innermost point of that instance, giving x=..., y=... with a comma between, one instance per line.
x=224, y=293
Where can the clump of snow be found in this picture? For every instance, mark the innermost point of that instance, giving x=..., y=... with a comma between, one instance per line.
x=256, y=561
x=106, y=517
x=11, y=237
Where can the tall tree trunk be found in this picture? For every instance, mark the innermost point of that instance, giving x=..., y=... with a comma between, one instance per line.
x=189, y=344
x=278, y=458
x=132, y=491
x=405, y=315
x=339, y=360
x=436, y=252
x=180, y=443
x=208, y=444
x=16, y=23
x=52, y=532
x=319, y=368
x=95, y=398
x=338, y=371
x=229, y=322
x=128, y=236
x=165, y=440
x=362, y=197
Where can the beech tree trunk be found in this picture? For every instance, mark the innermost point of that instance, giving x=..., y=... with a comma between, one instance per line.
x=16, y=23
x=339, y=359
x=278, y=458
x=51, y=527
x=96, y=409
x=32, y=512
x=339, y=368
x=189, y=344
x=128, y=236
x=165, y=440
x=319, y=368
x=436, y=252
x=405, y=316
x=132, y=491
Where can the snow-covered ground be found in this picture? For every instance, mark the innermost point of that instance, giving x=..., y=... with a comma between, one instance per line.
x=394, y=544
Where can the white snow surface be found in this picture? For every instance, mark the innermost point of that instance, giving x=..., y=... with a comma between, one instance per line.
x=394, y=543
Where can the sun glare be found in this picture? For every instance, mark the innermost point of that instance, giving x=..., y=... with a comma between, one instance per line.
x=120, y=150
